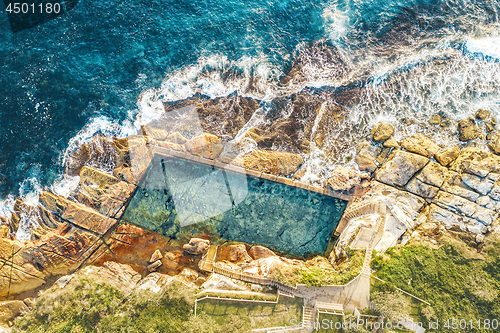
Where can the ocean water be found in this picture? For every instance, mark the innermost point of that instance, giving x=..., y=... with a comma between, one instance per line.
x=106, y=67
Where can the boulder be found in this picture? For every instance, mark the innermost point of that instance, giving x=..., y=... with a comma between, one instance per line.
x=259, y=252
x=476, y=161
x=196, y=246
x=382, y=131
x=103, y=192
x=391, y=143
x=447, y=155
x=467, y=130
x=435, y=120
x=154, y=266
x=433, y=174
x=154, y=133
x=420, y=144
x=343, y=179
x=400, y=168
x=482, y=114
x=156, y=256
x=236, y=253
x=365, y=157
x=273, y=162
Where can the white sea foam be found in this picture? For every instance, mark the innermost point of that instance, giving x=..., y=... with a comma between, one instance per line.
x=65, y=185
x=488, y=46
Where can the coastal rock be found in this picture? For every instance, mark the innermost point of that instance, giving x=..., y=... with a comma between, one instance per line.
x=156, y=256
x=103, y=192
x=220, y=116
x=9, y=310
x=235, y=253
x=119, y=276
x=433, y=174
x=480, y=185
x=259, y=252
x=391, y=143
x=318, y=61
x=365, y=157
x=188, y=275
x=459, y=205
x=419, y=188
x=382, y=131
x=196, y=246
x=273, y=162
x=177, y=138
x=99, y=151
x=495, y=192
x=82, y=216
x=449, y=220
x=467, y=130
x=420, y=144
x=154, y=133
x=476, y=161
x=343, y=179
x=400, y=168
x=154, y=266
x=453, y=184
x=220, y=282
x=447, y=155
x=134, y=152
x=206, y=145
x=482, y=114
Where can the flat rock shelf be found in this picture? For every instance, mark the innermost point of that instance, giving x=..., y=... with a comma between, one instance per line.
x=182, y=198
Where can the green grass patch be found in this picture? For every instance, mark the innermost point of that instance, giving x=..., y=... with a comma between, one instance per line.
x=253, y=315
x=316, y=276
x=457, y=285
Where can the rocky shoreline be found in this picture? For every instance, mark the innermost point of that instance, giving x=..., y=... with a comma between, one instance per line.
x=430, y=190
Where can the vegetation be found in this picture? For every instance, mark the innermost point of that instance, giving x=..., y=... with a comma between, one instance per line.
x=322, y=276
x=252, y=315
x=458, y=285
x=240, y=295
x=86, y=306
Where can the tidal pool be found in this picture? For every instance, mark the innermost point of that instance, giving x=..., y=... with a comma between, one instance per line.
x=180, y=198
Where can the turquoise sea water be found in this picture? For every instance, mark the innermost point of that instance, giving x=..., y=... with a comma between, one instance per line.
x=104, y=66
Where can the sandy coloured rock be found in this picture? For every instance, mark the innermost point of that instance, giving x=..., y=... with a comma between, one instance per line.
x=382, y=131
x=273, y=162
x=196, y=246
x=259, y=252
x=400, y=168
x=433, y=174
x=447, y=155
x=391, y=143
x=420, y=144
x=343, y=179
x=366, y=155
x=467, y=130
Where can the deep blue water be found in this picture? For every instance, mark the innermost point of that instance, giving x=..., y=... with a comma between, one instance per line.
x=96, y=60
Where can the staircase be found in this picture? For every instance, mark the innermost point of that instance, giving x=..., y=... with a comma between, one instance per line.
x=308, y=317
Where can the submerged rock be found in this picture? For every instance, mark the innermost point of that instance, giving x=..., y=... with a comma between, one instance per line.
x=467, y=130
